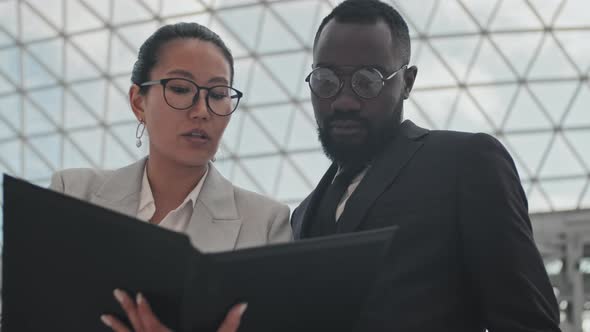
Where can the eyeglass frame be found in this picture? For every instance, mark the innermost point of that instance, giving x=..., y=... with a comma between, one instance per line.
x=383, y=80
x=165, y=81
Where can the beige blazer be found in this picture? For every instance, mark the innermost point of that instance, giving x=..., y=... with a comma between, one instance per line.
x=225, y=217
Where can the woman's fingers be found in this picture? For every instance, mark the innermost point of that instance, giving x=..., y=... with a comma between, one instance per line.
x=233, y=318
x=148, y=319
x=114, y=323
x=130, y=309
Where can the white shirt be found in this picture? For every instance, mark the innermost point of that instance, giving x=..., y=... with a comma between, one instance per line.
x=177, y=219
x=351, y=188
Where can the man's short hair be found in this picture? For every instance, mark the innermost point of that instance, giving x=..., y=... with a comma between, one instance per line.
x=369, y=12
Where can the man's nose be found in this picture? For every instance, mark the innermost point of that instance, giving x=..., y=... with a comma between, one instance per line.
x=347, y=100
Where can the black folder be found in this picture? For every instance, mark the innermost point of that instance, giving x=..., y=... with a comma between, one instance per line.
x=63, y=257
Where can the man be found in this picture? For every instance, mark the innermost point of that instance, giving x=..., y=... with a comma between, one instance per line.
x=463, y=257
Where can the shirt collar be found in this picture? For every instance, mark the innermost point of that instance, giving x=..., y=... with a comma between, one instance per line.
x=146, y=197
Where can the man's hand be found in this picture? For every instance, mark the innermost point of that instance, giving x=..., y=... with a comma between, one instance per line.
x=143, y=319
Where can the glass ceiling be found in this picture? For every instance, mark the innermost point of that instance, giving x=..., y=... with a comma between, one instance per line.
x=517, y=69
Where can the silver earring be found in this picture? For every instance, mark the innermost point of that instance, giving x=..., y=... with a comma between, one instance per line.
x=139, y=133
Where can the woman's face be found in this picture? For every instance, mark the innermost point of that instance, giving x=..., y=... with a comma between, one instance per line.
x=188, y=137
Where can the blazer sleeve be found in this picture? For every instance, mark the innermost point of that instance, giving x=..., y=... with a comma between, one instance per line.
x=506, y=273
x=279, y=229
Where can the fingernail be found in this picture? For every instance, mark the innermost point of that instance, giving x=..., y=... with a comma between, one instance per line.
x=105, y=319
x=139, y=298
x=118, y=295
x=242, y=308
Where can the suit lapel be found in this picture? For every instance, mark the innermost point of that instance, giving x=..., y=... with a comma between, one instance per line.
x=307, y=214
x=381, y=174
x=120, y=191
x=215, y=223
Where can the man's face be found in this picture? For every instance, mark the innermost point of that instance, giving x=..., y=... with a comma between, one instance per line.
x=353, y=129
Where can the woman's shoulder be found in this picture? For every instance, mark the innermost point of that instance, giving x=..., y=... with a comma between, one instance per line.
x=78, y=182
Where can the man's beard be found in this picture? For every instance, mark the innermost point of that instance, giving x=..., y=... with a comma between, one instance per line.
x=362, y=153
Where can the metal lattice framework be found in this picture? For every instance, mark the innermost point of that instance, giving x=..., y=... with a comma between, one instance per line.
x=517, y=69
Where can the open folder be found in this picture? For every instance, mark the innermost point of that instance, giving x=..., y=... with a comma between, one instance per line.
x=63, y=257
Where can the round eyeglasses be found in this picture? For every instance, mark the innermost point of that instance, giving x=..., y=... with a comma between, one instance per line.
x=366, y=82
x=182, y=94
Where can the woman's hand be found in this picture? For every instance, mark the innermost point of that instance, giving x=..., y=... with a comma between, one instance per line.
x=143, y=319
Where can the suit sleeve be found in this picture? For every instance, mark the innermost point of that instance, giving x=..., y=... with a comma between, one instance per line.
x=506, y=272
x=280, y=229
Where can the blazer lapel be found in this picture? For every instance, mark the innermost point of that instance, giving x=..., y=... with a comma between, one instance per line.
x=120, y=191
x=381, y=174
x=215, y=223
x=308, y=206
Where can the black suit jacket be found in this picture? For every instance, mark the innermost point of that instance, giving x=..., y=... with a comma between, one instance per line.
x=464, y=258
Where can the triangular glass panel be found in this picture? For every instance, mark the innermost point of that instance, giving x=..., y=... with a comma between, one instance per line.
x=225, y=167
x=263, y=88
x=547, y=9
x=303, y=132
x=6, y=40
x=33, y=26
x=494, y=100
x=91, y=142
x=519, y=48
x=304, y=92
x=6, y=132
x=275, y=37
x=537, y=201
x=11, y=156
x=515, y=14
x=312, y=164
x=10, y=111
x=417, y=115
x=457, y=52
x=437, y=104
x=218, y=4
x=574, y=43
x=10, y=63
x=126, y=11
x=231, y=40
x=529, y=149
x=438, y=74
x=176, y=7
x=50, y=147
x=50, y=53
x=296, y=15
x=524, y=173
x=10, y=16
x=77, y=115
x=36, y=121
x=50, y=101
x=93, y=94
x=289, y=69
x=468, y=117
x=153, y=6
x=490, y=67
x=276, y=119
x=452, y=18
x=82, y=15
x=124, y=134
x=526, y=114
x=136, y=34
x=115, y=155
x=244, y=23
x=580, y=140
x=79, y=67
x=291, y=186
x=243, y=70
x=561, y=161
x=36, y=74
x=265, y=170
x=254, y=140
x=118, y=109
x=243, y=178
x=233, y=131
x=551, y=62
x=482, y=10
x=579, y=113
x=574, y=13
x=564, y=193
x=52, y=10
x=201, y=18
x=6, y=87
x=555, y=97
x=585, y=202
x=94, y=46
x=122, y=57
x=122, y=83
x=35, y=166
x=74, y=158
x=418, y=13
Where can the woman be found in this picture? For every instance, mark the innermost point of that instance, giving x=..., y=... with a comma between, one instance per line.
x=182, y=95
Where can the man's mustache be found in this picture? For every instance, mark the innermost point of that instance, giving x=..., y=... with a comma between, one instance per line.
x=348, y=116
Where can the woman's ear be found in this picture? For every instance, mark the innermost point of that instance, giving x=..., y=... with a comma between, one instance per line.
x=137, y=102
